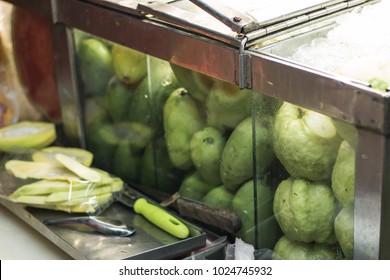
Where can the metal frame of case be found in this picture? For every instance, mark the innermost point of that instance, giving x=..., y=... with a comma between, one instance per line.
x=236, y=58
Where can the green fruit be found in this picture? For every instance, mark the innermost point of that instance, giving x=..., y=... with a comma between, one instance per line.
x=287, y=249
x=219, y=197
x=343, y=227
x=265, y=231
x=194, y=187
x=343, y=176
x=346, y=131
x=24, y=136
x=305, y=210
x=103, y=141
x=95, y=66
x=151, y=94
x=265, y=105
x=197, y=84
x=126, y=163
x=129, y=65
x=158, y=171
x=181, y=120
x=95, y=113
x=206, y=152
x=48, y=154
x=119, y=96
x=237, y=157
x=305, y=142
x=227, y=105
x=379, y=84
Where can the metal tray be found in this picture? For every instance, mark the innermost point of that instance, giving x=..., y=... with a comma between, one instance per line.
x=149, y=242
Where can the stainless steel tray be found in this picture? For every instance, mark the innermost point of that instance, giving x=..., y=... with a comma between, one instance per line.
x=149, y=242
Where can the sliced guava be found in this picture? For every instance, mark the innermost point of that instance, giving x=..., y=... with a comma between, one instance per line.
x=26, y=135
x=48, y=154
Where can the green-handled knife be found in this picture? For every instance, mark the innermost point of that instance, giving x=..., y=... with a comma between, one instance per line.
x=155, y=214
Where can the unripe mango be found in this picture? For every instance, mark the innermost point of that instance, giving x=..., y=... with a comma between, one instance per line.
x=182, y=119
x=206, y=152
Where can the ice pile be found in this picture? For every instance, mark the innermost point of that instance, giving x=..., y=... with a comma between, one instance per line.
x=358, y=47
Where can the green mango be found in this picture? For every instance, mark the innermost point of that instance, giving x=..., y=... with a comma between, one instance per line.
x=219, y=197
x=126, y=163
x=151, y=94
x=287, y=249
x=158, y=172
x=227, y=105
x=266, y=232
x=95, y=114
x=197, y=84
x=206, y=152
x=194, y=187
x=103, y=141
x=238, y=155
x=182, y=119
x=129, y=65
x=118, y=97
x=94, y=66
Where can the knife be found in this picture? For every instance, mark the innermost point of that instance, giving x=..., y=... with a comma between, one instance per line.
x=154, y=213
x=223, y=219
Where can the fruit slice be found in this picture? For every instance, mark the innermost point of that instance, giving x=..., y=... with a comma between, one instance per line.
x=48, y=154
x=39, y=170
x=22, y=136
x=78, y=168
x=48, y=186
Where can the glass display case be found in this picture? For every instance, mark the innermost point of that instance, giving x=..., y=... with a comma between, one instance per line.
x=265, y=112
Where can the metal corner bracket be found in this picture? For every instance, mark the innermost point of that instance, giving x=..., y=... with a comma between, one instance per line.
x=244, y=65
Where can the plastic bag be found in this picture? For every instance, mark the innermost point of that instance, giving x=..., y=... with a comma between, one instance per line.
x=62, y=183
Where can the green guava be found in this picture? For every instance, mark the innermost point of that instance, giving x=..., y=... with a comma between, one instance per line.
x=305, y=142
x=343, y=176
x=194, y=187
x=286, y=249
x=343, y=227
x=379, y=84
x=259, y=229
x=94, y=66
x=219, y=197
x=206, y=151
x=130, y=66
x=306, y=210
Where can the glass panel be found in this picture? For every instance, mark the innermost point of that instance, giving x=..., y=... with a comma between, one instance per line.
x=287, y=172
